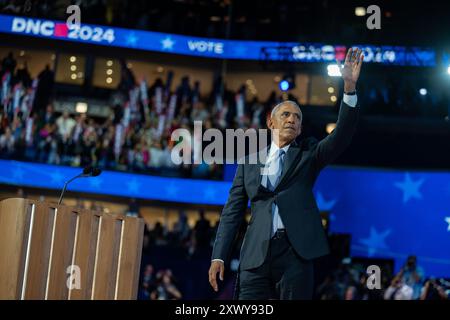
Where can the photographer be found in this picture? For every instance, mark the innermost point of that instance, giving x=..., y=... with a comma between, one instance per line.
x=433, y=290
x=398, y=290
x=412, y=275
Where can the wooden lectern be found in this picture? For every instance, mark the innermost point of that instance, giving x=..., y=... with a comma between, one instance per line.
x=50, y=251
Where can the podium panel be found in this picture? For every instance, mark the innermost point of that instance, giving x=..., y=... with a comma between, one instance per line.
x=56, y=252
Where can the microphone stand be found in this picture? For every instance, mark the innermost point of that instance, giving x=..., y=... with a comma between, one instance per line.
x=81, y=175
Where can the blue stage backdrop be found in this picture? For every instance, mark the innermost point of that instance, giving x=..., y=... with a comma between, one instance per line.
x=389, y=214
x=211, y=48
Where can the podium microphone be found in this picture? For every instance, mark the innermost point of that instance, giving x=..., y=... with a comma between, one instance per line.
x=88, y=171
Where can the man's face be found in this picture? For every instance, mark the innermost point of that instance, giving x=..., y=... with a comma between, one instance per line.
x=287, y=120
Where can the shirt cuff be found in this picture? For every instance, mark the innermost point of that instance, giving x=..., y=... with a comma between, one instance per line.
x=218, y=260
x=351, y=100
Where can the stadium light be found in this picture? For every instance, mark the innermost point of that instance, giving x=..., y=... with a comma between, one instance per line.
x=81, y=107
x=360, y=11
x=423, y=91
x=287, y=82
x=333, y=70
x=284, y=85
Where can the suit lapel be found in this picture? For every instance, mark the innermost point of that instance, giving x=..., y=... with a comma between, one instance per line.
x=261, y=164
x=291, y=156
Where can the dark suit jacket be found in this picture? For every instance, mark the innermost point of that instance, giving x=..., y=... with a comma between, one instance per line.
x=293, y=195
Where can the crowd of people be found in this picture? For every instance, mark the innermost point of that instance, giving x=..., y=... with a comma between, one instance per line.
x=348, y=281
x=193, y=241
x=159, y=286
x=136, y=136
x=175, y=258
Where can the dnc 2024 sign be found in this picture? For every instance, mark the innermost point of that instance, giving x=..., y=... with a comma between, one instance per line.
x=53, y=29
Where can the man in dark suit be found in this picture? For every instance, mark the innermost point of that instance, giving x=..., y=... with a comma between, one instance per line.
x=285, y=233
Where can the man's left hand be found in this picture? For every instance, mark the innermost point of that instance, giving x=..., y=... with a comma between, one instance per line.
x=351, y=69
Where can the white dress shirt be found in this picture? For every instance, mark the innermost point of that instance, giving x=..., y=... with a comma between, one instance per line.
x=351, y=100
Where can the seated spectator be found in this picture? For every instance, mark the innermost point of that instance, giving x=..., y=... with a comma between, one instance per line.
x=412, y=275
x=158, y=234
x=202, y=230
x=181, y=230
x=165, y=288
x=65, y=125
x=48, y=116
x=433, y=290
x=156, y=155
x=9, y=63
x=351, y=293
x=148, y=284
x=398, y=290
x=7, y=141
x=199, y=113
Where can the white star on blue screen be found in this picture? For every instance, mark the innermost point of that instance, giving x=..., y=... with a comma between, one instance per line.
x=323, y=204
x=133, y=186
x=376, y=241
x=447, y=219
x=57, y=177
x=410, y=188
x=209, y=193
x=132, y=39
x=167, y=43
